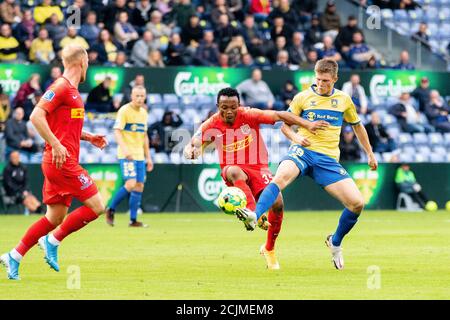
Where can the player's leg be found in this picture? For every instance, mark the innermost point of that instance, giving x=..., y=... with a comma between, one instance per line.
x=275, y=218
x=349, y=195
x=136, y=194
x=237, y=177
x=54, y=216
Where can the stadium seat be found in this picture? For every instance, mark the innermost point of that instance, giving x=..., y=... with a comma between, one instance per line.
x=405, y=139
x=440, y=150
x=409, y=149
x=447, y=139
x=406, y=203
x=171, y=100
x=393, y=131
x=420, y=138
x=378, y=157
x=161, y=157
x=154, y=100
x=421, y=157
x=423, y=149
x=387, y=156
x=435, y=157
x=406, y=157
x=435, y=138
x=401, y=15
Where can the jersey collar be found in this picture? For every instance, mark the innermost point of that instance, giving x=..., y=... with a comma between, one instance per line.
x=322, y=95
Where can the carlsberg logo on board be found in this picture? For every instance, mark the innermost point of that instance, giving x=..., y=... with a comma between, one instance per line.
x=210, y=184
x=381, y=86
x=187, y=84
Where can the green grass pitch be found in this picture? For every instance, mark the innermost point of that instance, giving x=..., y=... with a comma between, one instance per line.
x=211, y=256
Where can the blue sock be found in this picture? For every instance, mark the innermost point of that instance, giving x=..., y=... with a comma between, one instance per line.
x=267, y=199
x=346, y=222
x=135, y=203
x=118, y=197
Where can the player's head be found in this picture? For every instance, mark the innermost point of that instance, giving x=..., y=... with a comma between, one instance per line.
x=14, y=158
x=74, y=56
x=138, y=95
x=326, y=71
x=228, y=102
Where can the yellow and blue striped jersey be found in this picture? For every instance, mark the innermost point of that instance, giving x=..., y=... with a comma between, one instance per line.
x=334, y=109
x=133, y=124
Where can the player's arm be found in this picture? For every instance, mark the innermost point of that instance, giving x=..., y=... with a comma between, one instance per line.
x=98, y=140
x=122, y=144
x=39, y=120
x=363, y=138
x=148, y=157
x=198, y=142
x=291, y=119
x=296, y=138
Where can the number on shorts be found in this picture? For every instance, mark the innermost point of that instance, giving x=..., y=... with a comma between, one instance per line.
x=267, y=178
x=129, y=170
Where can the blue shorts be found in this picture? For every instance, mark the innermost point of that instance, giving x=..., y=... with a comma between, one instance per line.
x=133, y=169
x=323, y=169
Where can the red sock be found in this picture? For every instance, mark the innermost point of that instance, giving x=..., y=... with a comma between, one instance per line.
x=40, y=228
x=76, y=220
x=275, y=219
x=251, y=203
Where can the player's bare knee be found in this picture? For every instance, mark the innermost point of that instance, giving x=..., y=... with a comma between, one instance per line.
x=139, y=187
x=130, y=185
x=235, y=174
x=55, y=220
x=357, y=205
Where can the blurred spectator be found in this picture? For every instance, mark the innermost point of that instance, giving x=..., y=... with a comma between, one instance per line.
x=405, y=5
x=55, y=73
x=93, y=57
x=160, y=31
x=257, y=94
x=422, y=93
x=422, y=35
x=437, y=112
x=121, y=60
x=235, y=50
x=176, y=51
x=260, y=9
x=44, y=11
x=236, y=8
x=163, y=6
x=280, y=28
x=345, y=36
x=247, y=62
x=379, y=139
x=100, y=99
x=89, y=30
x=73, y=38
x=220, y=9
x=288, y=13
x=372, y=64
x=359, y=53
x=408, y=117
x=160, y=133
x=84, y=8
x=27, y=89
x=288, y=93
x=282, y=60
x=223, y=61
x=9, y=46
x=404, y=62
x=111, y=12
x=41, y=50
x=280, y=45
x=192, y=34
x=106, y=48
x=253, y=36
x=406, y=182
x=329, y=50
x=348, y=145
x=25, y=30
x=305, y=9
x=10, y=12
x=296, y=51
x=139, y=80
x=56, y=30
x=355, y=90
x=224, y=32
x=311, y=59
x=142, y=47
x=207, y=53
x=5, y=109
x=314, y=33
x=124, y=31
x=182, y=11
x=330, y=20
x=140, y=15
x=17, y=136
x=155, y=59
x=15, y=183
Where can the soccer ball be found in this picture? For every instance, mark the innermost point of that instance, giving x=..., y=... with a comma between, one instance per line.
x=431, y=206
x=447, y=205
x=231, y=199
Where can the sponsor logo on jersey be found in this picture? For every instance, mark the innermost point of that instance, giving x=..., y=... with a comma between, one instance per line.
x=48, y=95
x=334, y=103
x=311, y=116
x=77, y=113
x=238, y=145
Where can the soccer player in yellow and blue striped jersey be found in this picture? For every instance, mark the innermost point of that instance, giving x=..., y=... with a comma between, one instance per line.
x=133, y=152
x=317, y=155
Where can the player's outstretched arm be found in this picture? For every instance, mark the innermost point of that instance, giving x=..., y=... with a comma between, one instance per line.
x=363, y=138
x=98, y=140
x=39, y=120
x=293, y=136
x=291, y=119
x=193, y=149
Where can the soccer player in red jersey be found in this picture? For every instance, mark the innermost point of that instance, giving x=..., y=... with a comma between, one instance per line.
x=58, y=118
x=243, y=155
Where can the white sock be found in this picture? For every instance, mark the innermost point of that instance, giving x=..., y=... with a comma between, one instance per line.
x=16, y=255
x=53, y=240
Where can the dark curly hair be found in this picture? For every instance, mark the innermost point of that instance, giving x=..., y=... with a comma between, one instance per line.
x=228, y=92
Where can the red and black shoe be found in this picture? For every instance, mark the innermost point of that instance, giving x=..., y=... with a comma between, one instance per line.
x=137, y=224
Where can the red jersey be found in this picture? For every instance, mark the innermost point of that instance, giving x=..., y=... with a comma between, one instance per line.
x=65, y=116
x=241, y=142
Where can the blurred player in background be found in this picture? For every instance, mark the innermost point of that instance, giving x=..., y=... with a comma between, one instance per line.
x=58, y=118
x=133, y=152
x=243, y=155
x=320, y=159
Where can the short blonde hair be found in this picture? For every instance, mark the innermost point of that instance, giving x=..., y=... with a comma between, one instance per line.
x=72, y=54
x=327, y=66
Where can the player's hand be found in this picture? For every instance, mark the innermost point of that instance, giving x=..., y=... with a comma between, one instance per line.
x=301, y=140
x=99, y=140
x=149, y=166
x=191, y=152
x=372, y=162
x=317, y=125
x=59, y=155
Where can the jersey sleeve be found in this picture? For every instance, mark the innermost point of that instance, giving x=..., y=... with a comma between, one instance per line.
x=350, y=113
x=257, y=116
x=54, y=97
x=121, y=120
x=296, y=105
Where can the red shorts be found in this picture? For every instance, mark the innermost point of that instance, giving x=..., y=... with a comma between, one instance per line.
x=258, y=178
x=61, y=185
